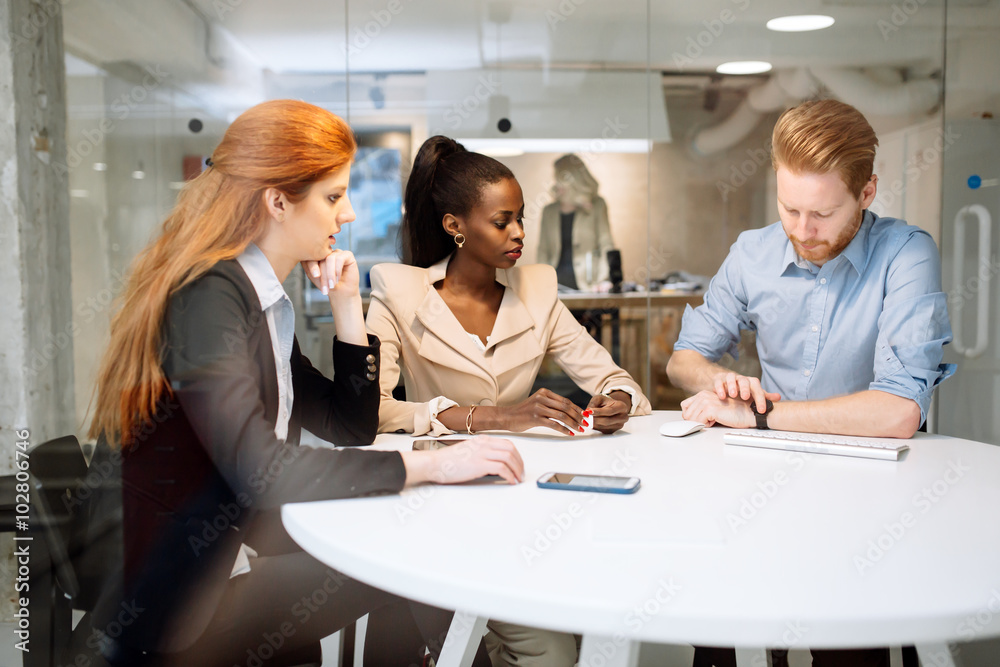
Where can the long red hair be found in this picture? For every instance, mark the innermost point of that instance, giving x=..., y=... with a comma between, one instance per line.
x=283, y=144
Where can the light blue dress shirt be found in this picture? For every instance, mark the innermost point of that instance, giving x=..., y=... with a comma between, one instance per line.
x=280, y=315
x=874, y=317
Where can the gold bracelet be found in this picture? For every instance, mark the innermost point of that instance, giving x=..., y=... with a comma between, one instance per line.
x=468, y=420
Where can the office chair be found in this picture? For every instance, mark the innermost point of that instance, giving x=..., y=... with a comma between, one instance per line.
x=70, y=558
x=8, y=503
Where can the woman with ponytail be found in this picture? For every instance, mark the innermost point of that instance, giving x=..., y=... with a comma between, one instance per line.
x=202, y=396
x=468, y=331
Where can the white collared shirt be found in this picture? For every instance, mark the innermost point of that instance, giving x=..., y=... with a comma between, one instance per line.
x=280, y=315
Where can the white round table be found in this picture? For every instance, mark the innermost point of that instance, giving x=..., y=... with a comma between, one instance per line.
x=721, y=545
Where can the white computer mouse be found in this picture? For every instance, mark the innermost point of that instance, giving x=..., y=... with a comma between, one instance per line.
x=677, y=429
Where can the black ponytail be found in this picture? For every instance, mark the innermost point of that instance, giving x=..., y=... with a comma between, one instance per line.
x=445, y=178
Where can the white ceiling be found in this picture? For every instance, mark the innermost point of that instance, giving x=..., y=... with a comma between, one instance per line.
x=310, y=35
x=231, y=53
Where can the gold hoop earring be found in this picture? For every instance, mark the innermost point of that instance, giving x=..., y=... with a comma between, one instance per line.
x=457, y=242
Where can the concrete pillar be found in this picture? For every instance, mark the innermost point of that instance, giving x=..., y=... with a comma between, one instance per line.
x=36, y=325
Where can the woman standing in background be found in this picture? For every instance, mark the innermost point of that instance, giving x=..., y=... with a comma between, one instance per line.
x=575, y=235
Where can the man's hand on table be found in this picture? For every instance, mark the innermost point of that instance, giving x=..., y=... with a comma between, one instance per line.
x=706, y=407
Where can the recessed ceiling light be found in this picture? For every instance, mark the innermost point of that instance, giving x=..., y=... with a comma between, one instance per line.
x=100, y=166
x=138, y=174
x=801, y=23
x=744, y=67
x=518, y=146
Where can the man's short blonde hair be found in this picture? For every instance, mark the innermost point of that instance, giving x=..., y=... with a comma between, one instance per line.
x=826, y=136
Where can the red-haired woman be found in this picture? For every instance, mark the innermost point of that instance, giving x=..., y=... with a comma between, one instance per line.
x=203, y=393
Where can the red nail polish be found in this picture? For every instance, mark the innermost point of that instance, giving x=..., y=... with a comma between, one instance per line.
x=581, y=429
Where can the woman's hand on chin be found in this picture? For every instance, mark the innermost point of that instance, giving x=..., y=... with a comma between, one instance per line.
x=335, y=276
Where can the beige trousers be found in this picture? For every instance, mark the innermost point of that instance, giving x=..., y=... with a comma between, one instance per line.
x=510, y=645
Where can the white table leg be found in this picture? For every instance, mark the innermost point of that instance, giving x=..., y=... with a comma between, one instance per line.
x=462, y=641
x=753, y=657
x=360, y=630
x=935, y=655
x=601, y=651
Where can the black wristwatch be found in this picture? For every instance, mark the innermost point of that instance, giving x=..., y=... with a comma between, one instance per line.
x=761, y=417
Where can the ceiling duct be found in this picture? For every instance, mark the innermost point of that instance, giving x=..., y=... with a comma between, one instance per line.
x=870, y=95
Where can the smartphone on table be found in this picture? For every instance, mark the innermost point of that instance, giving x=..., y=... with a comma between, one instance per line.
x=597, y=483
x=430, y=444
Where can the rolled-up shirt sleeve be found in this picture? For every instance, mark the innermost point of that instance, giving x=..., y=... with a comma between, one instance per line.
x=914, y=325
x=713, y=328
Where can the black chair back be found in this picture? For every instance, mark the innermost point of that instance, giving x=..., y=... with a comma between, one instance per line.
x=57, y=468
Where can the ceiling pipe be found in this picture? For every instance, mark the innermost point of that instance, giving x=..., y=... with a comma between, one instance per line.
x=869, y=95
x=761, y=99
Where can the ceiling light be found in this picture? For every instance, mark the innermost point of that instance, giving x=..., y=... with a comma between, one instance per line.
x=501, y=151
x=801, y=23
x=100, y=166
x=518, y=146
x=744, y=67
x=138, y=174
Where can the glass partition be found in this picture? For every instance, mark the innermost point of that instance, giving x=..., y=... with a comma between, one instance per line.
x=640, y=91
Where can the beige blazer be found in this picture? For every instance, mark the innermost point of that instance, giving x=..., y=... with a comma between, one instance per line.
x=591, y=236
x=423, y=340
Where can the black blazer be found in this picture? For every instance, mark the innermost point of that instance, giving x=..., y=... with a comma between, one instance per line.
x=209, y=462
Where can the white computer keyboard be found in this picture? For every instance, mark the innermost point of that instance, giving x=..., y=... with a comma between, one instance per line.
x=841, y=445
